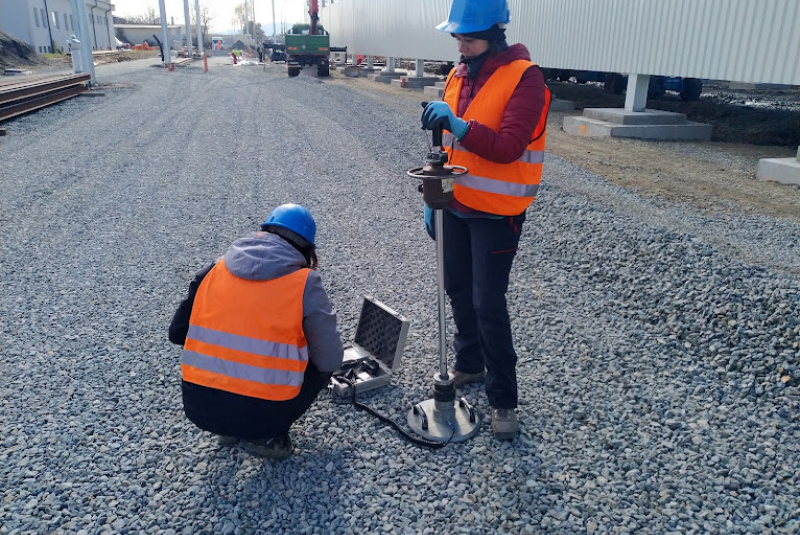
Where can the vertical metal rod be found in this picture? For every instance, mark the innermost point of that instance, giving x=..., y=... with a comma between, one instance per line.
x=79, y=10
x=438, y=222
x=164, y=33
x=188, y=20
x=201, y=49
x=274, y=27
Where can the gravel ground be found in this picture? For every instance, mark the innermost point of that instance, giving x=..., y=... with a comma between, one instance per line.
x=658, y=367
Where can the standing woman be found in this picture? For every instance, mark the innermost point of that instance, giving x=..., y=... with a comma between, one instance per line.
x=494, y=111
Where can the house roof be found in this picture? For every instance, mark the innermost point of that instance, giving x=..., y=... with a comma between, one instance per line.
x=147, y=26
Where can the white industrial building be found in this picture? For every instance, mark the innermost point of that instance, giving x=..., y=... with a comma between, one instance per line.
x=750, y=41
x=46, y=25
x=755, y=41
x=136, y=34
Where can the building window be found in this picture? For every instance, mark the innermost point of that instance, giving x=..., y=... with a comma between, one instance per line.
x=36, y=16
x=44, y=18
x=66, y=22
x=72, y=23
x=55, y=21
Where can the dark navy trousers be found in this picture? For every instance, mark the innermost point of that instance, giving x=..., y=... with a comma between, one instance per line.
x=478, y=254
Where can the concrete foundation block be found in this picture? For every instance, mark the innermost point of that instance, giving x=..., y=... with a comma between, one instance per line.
x=366, y=72
x=386, y=77
x=626, y=117
x=781, y=170
x=433, y=91
x=561, y=105
x=414, y=82
x=351, y=71
x=585, y=126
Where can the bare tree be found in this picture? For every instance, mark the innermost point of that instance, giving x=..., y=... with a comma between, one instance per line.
x=255, y=30
x=205, y=23
x=240, y=17
x=148, y=17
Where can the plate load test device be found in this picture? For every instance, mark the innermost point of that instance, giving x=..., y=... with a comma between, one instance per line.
x=443, y=418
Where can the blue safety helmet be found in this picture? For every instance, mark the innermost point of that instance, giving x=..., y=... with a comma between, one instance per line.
x=468, y=16
x=294, y=218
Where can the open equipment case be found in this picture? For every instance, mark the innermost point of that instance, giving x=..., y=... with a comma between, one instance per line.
x=374, y=355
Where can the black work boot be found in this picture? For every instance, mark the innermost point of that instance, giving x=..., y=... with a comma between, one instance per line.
x=460, y=378
x=272, y=448
x=504, y=424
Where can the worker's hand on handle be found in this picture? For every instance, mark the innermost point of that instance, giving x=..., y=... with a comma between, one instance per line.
x=439, y=114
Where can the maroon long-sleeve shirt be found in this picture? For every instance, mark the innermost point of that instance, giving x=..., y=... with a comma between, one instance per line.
x=521, y=115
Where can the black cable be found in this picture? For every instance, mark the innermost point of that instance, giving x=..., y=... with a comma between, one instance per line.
x=408, y=436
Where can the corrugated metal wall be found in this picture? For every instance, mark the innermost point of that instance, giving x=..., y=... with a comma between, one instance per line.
x=738, y=40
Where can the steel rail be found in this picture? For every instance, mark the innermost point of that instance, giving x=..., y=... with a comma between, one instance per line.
x=23, y=97
x=26, y=90
x=40, y=101
x=10, y=85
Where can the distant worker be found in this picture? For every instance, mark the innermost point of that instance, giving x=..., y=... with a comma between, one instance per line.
x=233, y=55
x=259, y=336
x=494, y=110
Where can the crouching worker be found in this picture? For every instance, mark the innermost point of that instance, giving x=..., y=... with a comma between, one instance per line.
x=259, y=336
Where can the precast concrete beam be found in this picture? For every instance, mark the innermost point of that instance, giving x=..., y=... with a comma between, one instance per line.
x=391, y=63
x=636, y=94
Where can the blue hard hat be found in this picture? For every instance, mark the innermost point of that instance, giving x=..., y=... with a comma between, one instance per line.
x=294, y=218
x=468, y=16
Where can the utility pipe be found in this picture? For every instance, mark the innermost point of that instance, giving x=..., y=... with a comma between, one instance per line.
x=188, y=28
x=49, y=27
x=94, y=29
x=112, y=44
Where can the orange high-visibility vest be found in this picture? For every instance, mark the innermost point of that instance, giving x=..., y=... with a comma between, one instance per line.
x=246, y=337
x=496, y=188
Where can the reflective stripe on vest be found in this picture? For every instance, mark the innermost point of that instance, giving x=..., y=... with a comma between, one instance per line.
x=246, y=337
x=490, y=185
x=503, y=189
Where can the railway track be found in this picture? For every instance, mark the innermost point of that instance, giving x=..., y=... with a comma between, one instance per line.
x=32, y=93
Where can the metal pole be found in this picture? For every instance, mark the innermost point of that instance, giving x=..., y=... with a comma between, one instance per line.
x=188, y=27
x=200, y=48
x=438, y=223
x=246, y=30
x=254, y=23
x=274, y=22
x=164, y=34
x=79, y=10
